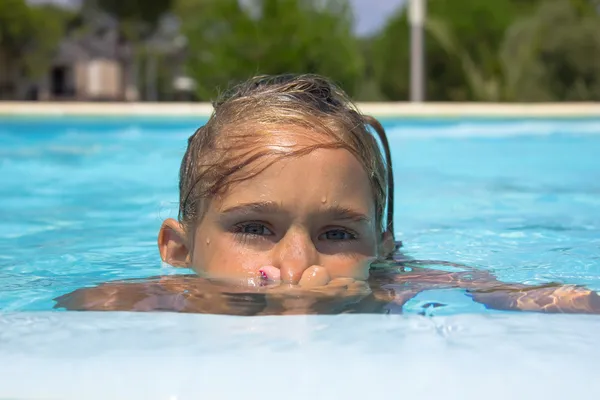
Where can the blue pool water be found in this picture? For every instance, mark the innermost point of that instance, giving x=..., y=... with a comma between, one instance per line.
x=81, y=201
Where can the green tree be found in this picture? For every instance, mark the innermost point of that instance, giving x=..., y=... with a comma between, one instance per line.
x=497, y=50
x=554, y=54
x=229, y=41
x=463, y=38
x=137, y=18
x=29, y=36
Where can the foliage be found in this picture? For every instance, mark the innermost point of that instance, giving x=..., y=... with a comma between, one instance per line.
x=15, y=25
x=462, y=41
x=501, y=50
x=49, y=24
x=137, y=18
x=229, y=41
x=554, y=54
x=28, y=39
x=475, y=50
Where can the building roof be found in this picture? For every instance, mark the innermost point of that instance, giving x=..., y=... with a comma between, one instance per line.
x=87, y=47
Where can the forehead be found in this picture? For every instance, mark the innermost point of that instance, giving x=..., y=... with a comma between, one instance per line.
x=256, y=137
x=321, y=175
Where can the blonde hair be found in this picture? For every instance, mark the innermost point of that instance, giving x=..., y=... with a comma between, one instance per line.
x=230, y=147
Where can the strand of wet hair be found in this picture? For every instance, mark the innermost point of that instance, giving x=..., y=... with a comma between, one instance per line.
x=376, y=125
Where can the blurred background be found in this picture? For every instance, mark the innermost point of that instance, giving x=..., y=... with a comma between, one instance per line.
x=188, y=50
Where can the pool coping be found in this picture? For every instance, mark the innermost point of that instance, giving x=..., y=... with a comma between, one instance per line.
x=391, y=109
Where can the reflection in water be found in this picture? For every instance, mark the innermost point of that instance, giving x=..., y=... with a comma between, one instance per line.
x=190, y=293
x=392, y=283
x=390, y=286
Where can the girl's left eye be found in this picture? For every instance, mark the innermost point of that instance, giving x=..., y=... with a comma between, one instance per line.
x=337, y=234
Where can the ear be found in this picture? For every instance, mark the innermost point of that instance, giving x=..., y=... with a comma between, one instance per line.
x=388, y=245
x=172, y=244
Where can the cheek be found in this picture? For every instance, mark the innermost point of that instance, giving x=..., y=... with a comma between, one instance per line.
x=348, y=267
x=224, y=257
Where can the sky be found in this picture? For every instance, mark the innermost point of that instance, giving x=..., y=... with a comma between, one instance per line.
x=370, y=14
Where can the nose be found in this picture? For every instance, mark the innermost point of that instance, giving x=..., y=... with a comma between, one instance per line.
x=294, y=253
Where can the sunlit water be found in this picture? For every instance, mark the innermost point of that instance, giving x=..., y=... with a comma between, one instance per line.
x=81, y=202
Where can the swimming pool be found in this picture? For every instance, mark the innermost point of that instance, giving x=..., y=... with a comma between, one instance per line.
x=82, y=199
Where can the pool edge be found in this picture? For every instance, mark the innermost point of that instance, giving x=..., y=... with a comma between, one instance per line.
x=382, y=110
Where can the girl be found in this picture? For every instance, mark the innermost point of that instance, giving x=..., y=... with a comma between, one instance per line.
x=286, y=206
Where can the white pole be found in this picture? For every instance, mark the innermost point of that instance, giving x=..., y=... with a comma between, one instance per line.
x=417, y=51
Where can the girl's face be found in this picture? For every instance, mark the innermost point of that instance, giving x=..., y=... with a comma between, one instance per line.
x=309, y=214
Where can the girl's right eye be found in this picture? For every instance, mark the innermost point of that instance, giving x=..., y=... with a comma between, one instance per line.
x=253, y=229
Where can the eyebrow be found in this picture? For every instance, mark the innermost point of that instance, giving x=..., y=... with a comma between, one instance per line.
x=336, y=212
x=267, y=207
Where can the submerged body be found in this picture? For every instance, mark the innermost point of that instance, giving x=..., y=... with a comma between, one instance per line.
x=386, y=291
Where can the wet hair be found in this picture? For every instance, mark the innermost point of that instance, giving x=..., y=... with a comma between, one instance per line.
x=236, y=142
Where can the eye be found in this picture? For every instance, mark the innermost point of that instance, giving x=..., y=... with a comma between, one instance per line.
x=253, y=228
x=337, y=234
